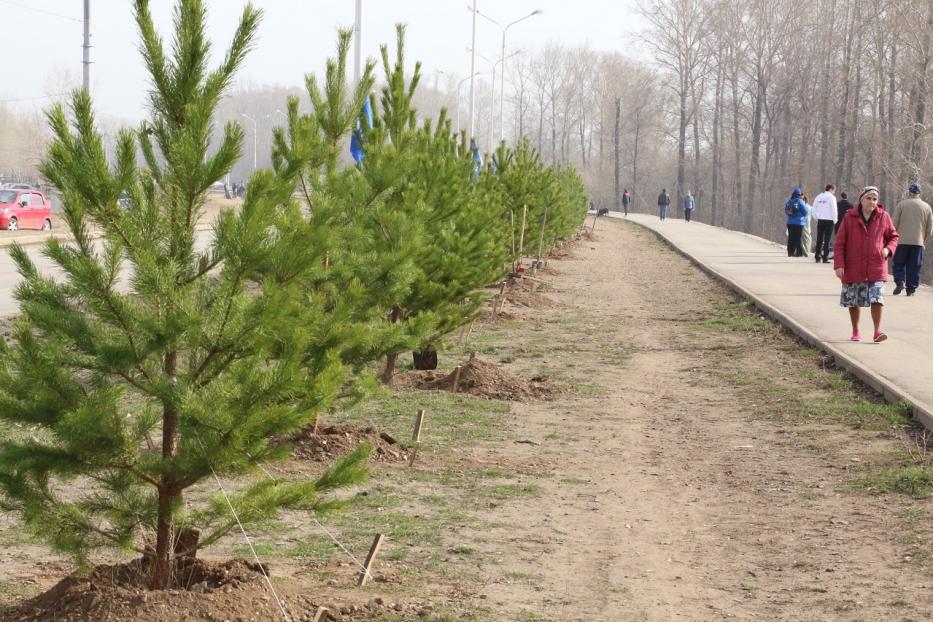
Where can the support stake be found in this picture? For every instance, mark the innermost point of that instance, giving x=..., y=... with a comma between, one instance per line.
x=370, y=558
x=456, y=386
x=419, y=421
x=321, y=615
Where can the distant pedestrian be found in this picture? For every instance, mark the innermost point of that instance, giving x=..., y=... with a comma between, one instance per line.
x=664, y=200
x=689, y=204
x=913, y=220
x=797, y=213
x=825, y=213
x=626, y=200
x=842, y=206
x=865, y=240
x=805, y=239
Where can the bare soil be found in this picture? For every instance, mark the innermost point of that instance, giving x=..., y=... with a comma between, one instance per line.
x=332, y=441
x=481, y=379
x=692, y=474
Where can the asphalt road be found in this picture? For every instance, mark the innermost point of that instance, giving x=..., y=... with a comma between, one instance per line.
x=9, y=277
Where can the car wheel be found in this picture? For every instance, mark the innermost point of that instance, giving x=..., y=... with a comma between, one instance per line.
x=46, y=225
x=12, y=224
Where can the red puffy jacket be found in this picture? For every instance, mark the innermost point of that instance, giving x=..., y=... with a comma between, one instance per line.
x=859, y=249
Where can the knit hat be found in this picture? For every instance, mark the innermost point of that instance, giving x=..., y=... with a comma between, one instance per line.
x=914, y=189
x=869, y=190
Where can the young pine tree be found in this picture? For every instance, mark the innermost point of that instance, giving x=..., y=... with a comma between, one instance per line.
x=163, y=354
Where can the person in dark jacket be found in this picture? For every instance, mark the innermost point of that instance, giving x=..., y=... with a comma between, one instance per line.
x=664, y=200
x=842, y=206
x=626, y=200
x=865, y=240
x=797, y=212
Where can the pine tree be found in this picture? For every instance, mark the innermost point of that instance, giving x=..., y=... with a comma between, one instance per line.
x=159, y=358
x=423, y=203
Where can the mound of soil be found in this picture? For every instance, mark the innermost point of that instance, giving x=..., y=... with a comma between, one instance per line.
x=233, y=590
x=481, y=379
x=333, y=441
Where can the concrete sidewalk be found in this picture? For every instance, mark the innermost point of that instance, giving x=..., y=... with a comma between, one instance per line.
x=804, y=296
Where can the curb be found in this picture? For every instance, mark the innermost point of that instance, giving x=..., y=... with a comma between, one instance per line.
x=891, y=392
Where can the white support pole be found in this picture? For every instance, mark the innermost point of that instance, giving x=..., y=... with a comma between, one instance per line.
x=357, y=41
x=87, y=46
x=473, y=74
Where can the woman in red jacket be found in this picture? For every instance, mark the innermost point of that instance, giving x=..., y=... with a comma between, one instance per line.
x=865, y=240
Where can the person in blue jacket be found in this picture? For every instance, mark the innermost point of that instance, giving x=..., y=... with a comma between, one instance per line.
x=797, y=212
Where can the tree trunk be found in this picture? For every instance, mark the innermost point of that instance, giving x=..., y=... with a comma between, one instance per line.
x=426, y=359
x=754, y=163
x=168, y=493
x=615, y=153
x=717, y=148
x=681, y=144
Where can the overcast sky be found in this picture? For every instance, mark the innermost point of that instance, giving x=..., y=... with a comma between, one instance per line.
x=295, y=37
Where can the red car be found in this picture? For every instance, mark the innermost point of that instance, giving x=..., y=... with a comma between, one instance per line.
x=24, y=209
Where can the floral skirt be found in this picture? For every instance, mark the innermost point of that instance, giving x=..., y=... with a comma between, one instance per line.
x=862, y=294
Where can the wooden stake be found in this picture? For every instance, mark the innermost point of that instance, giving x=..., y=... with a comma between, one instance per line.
x=512, y=226
x=541, y=238
x=414, y=454
x=363, y=577
x=521, y=240
x=499, y=301
x=321, y=615
x=456, y=386
x=419, y=421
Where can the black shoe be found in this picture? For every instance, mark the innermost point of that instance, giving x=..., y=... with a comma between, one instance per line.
x=910, y=292
x=825, y=261
x=817, y=260
x=898, y=288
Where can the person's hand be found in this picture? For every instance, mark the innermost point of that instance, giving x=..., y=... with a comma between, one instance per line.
x=840, y=272
x=885, y=252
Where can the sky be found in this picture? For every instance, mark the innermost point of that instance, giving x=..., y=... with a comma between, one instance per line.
x=295, y=37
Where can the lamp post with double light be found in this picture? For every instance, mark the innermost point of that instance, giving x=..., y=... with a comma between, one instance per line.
x=502, y=59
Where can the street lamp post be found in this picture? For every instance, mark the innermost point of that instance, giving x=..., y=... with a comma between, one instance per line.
x=472, y=69
x=492, y=108
x=459, y=84
x=255, y=131
x=502, y=59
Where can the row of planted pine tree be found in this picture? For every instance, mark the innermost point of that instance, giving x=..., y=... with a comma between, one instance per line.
x=159, y=357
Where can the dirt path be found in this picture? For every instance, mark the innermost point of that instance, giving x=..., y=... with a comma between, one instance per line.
x=676, y=494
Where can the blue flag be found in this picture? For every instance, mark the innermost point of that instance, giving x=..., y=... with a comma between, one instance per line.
x=356, y=139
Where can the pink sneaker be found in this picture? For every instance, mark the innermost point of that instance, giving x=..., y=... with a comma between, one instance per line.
x=880, y=336
x=855, y=337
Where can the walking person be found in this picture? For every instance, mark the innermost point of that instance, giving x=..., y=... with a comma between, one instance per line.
x=913, y=220
x=689, y=204
x=825, y=213
x=797, y=213
x=626, y=200
x=865, y=240
x=805, y=239
x=842, y=206
x=664, y=200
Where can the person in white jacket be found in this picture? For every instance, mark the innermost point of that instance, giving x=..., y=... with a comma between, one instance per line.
x=824, y=211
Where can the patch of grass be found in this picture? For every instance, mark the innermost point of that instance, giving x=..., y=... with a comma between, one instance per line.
x=516, y=575
x=452, y=419
x=463, y=550
x=735, y=317
x=573, y=480
x=507, y=491
x=915, y=481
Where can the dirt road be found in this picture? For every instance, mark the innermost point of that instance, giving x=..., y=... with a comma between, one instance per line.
x=711, y=477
